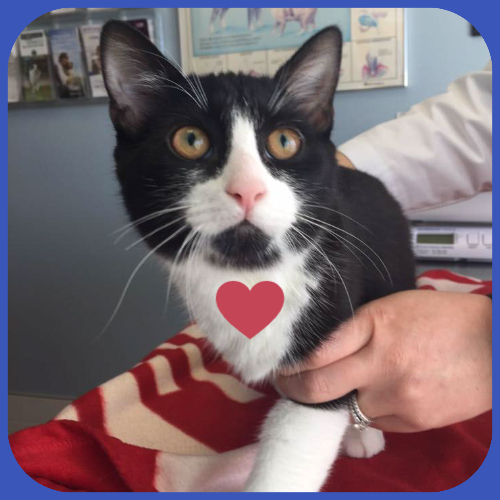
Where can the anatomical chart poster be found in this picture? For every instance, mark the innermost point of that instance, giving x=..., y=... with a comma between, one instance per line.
x=259, y=40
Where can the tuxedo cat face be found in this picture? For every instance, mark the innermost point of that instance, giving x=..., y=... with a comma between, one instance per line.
x=225, y=164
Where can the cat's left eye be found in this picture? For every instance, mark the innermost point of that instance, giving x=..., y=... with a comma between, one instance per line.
x=190, y=143
x=283, y=143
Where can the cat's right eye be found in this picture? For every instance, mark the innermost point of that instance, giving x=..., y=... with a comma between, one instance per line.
x=190, y=143
x=283, y=143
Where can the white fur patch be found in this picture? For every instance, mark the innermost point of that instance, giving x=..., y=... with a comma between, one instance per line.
x=363, y=444
x=254, y=359
x=298, y=446
x=213, y=211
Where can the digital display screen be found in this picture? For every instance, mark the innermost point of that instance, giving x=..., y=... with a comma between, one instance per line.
x=436, y=238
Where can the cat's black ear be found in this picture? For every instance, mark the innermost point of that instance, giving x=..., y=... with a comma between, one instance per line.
x=309, y=78
x=134, y=71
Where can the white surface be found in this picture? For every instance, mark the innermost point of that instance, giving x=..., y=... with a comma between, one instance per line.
x=476, y=209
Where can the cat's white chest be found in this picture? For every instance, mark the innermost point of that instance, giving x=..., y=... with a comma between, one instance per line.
x=253, y=359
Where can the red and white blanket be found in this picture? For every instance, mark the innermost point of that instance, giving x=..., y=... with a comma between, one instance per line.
x=180, y=421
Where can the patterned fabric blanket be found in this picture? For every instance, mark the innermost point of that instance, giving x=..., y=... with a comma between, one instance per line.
x=180, y=421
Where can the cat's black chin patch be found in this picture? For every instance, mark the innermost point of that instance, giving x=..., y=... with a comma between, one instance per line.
x=243, y=246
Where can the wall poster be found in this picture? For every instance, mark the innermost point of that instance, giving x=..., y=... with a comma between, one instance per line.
x=259, y=40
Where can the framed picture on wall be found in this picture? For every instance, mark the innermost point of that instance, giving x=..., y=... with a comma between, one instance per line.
x=259, y=40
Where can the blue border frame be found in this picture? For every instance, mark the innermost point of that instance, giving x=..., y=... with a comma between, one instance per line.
x=16, y=17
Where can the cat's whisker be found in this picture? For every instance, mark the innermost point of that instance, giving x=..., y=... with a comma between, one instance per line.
x=195, y=251
x=132, y=276
x=333, y=267
x=187, y=289
x=352, y=236
x=337, y=212
x=192, y=234
x=154, y=232
x=201, y=248
x=131, y=225
x=346, y=242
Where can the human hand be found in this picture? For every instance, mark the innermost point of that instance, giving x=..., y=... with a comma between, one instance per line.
x=419, y=359
x=343, y=161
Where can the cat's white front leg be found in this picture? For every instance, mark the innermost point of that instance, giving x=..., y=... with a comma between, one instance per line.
x=298, y=446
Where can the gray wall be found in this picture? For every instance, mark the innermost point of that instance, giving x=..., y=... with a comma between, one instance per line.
x=65, y=274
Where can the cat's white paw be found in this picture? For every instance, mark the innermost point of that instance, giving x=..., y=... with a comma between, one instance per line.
x=363, y=444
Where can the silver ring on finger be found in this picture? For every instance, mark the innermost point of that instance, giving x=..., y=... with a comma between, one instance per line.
x=361, y=421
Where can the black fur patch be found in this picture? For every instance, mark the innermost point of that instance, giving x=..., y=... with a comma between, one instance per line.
x=359, y=239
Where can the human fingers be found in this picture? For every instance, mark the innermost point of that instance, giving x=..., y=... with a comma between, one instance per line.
x=348, y=338
x=331, y=381
x=393, y=423
x=343, y=160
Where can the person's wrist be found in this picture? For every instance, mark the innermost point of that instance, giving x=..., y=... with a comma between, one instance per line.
x=343, y=161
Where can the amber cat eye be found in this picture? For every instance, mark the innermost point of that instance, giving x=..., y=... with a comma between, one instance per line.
x=283, y=143
x=190, y=142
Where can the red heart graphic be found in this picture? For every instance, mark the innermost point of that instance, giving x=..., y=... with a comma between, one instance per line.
x=250, y=311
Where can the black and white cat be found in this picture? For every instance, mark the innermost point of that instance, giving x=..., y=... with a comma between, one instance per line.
x=233, y=178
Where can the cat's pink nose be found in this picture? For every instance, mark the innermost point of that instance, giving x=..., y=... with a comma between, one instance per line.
x=247, y=193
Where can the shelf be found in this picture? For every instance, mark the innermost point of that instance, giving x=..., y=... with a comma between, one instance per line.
x=58, y=103
x=87, y=17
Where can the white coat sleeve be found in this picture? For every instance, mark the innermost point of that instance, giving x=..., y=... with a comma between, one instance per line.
x=437, y=153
